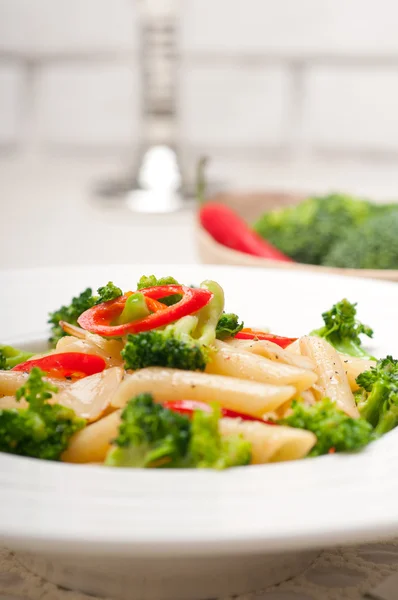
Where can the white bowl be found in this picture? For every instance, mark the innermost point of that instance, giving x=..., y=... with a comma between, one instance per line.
x=146, y=534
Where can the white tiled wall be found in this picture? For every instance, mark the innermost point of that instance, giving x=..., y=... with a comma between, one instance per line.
x=307, y=77
x=289, y=77
x=87, y=105
x=69, y=74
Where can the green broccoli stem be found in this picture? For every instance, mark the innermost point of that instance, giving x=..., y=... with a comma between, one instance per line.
x=370, y=409
x=387, y=422
x=14, y=356
x=210, y=314
x=201, y=180
x=185, y=326
x=135, y=308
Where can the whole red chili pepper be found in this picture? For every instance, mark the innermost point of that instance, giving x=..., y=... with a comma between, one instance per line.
x=228, y=228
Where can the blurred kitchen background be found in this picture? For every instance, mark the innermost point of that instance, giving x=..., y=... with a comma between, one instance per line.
x=292, y=95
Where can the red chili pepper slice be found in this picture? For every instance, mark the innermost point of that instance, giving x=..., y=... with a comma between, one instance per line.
x=98, y=319
x=65, y=364
x=252, y=334
x=188, y=407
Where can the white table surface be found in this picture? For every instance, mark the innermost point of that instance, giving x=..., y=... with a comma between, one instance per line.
x=49, y=217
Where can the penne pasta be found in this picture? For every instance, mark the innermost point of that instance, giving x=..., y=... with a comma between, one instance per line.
x=241, y=395
x=270, y=443
x=230, y=361
x=12, y=402
x=354, y=367
x=91, y=397
x=332, y=379
x=92, y=443
x=109, y=350
x=273, y=352
x=294, y=347
x=11, y=381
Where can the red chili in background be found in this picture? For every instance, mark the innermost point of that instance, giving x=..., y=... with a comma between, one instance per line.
x=252, y=334
x=65, y=364
x=229, y=229
x=188, y=407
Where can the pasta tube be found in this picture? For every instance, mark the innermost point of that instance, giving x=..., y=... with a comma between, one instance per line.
x=241, y=395
x=270, y=443
x=109, y=350
x=273, y=352
x=226, y=360
x=354, y=367
x=332, y=380
x=92, y=443
x=91, y=397
x=10, y=381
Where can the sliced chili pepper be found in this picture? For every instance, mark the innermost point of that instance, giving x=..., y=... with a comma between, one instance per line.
x=188, y=407
x=251, y=334
x=154, y=305
x=66, y=364
x=99, y=318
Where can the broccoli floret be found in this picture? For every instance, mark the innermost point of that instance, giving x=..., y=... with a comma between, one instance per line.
x=307, y=232
x=151, y=435
x=334, y=430
x=42, y=430
x=10, y=357
x=228, y=326
x=373, y=245
x=342, y=329
x=207, y=449
x=378, y=399
x=70, y=314
x=79, y=305
x=172, y=347
x=152, y=280
x=108, y=292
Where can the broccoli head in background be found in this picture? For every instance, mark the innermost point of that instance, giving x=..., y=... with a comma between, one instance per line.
x=378, y=398
x=79, y=305
x=308, y=231
x=228, y=326
x=373, y=245
x=152, y=281
x=335, y=431
x=42, y=430
x=151, y=435
x=342, y=329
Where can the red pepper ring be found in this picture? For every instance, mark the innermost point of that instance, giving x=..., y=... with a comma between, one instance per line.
x=65, y=364
x=252, y=334
x=98, y=319
x=188, y=407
